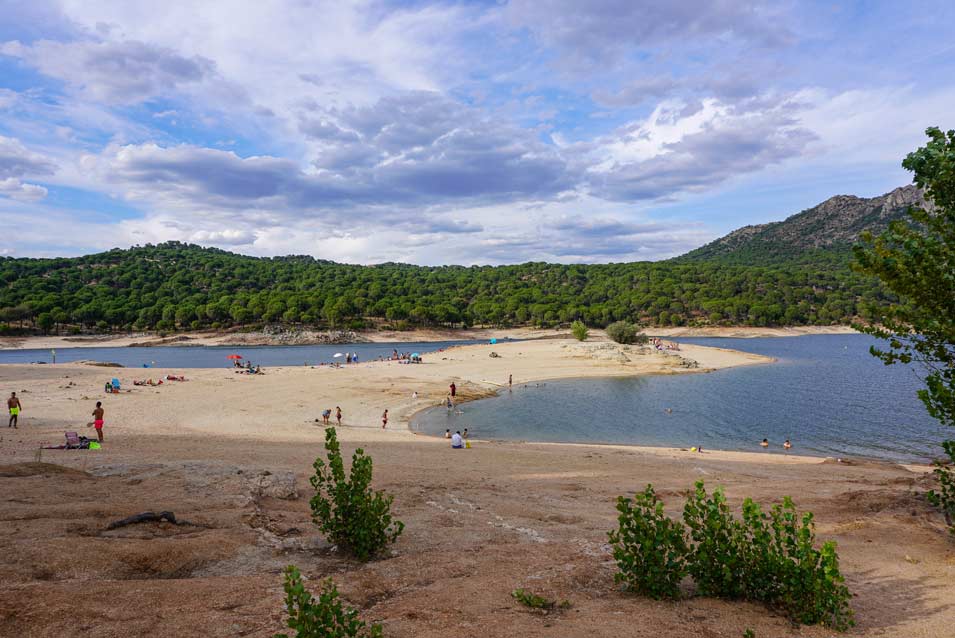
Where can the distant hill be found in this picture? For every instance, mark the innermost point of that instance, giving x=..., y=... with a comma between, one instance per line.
x=822, y=233
x=794, y=272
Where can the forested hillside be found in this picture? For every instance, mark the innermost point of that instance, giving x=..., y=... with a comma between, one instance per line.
x=794, y=272
x=821, y=234
x=179, y=286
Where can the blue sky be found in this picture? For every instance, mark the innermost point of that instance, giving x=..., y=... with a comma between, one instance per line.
x=453, y=132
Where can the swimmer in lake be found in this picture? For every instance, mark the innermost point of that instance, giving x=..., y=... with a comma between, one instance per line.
x=765, y=443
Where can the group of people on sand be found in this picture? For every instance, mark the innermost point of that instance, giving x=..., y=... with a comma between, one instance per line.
x=786, y=445
x=660, y=344
x=327, y=416
x=246, y=368
x=14, y=406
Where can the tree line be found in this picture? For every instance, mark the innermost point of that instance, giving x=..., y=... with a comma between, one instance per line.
x=181, y=286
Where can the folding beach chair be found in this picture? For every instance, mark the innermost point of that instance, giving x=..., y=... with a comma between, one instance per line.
x=73, y=441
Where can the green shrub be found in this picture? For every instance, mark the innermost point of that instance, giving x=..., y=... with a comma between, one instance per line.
x=626, y=332
x=650, y=548
x=716, y=559
x=534, y=601
x=770, y=558
x=346, y=509
x=944, y=498
x=324, y=617
x=579, y=330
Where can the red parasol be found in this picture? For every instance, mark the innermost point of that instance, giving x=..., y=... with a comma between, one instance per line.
x=234, y=356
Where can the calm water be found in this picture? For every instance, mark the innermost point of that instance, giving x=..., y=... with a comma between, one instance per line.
x=826, y=393
x=215, y=356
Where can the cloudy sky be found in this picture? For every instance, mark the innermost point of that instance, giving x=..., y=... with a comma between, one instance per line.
x=453, y=132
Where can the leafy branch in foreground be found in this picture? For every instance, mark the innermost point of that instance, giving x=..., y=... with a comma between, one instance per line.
x=944, y=498
x=322, y=617
x=346, y=509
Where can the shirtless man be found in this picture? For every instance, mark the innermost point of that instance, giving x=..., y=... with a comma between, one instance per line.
x=384, y=419
x=97, y=421
x=13, y=403
x=338, y=415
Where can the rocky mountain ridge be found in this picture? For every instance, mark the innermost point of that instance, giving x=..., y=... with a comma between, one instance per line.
x=835, y=223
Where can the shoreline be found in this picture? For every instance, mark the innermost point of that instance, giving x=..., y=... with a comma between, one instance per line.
x=225, y=339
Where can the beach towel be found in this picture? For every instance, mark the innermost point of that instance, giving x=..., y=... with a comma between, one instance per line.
x=74, y=442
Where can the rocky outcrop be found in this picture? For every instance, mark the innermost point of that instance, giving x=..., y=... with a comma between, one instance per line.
x=836, y=222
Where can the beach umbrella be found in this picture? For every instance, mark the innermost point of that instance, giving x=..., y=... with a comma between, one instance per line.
x=337, y=354
x=234, y=356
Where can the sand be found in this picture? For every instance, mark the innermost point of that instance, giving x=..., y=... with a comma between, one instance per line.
x=208, y=338
x=232, y=453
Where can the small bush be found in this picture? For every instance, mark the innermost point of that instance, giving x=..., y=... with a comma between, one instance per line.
x=944, y=498
x=346, y=509
x=579, y=330
x=716, y=560
x=325, y=617
x=626, y=333
x=533, y=601
x=650, y=548
x=771, y=558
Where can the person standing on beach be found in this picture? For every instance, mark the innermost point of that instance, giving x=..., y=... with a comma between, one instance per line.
x=384, y=419
x=97, y=423
x=338, y=414
x=510, y=380
x=13, y=404
x=454, y=389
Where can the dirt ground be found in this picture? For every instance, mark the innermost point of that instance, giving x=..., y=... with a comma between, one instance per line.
x=480, y=522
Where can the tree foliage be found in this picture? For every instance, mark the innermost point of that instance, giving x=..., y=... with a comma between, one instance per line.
x=175, y=286
x=625, y=332
x=579, y=330
x=916, y=261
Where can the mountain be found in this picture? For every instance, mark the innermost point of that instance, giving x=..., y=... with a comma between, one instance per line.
x=823, y=232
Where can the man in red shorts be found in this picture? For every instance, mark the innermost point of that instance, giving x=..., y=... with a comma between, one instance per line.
x=98, y=420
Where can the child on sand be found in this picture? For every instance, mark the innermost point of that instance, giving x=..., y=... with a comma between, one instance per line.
x=384, y=419
x=326, y=415
x=338, y=414
x=98, y=421
x=447, y=433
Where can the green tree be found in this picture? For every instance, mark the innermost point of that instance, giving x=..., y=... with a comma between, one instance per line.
x=44, y=321
x=579, y=330
x=916, y=261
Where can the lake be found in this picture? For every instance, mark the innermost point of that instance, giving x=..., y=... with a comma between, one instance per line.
x=826, y=393
x=215, y=356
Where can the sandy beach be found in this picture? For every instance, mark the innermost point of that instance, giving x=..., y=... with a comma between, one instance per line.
x=232, y=453
x=390, y=336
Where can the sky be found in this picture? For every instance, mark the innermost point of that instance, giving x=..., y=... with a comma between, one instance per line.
x=453, y=132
